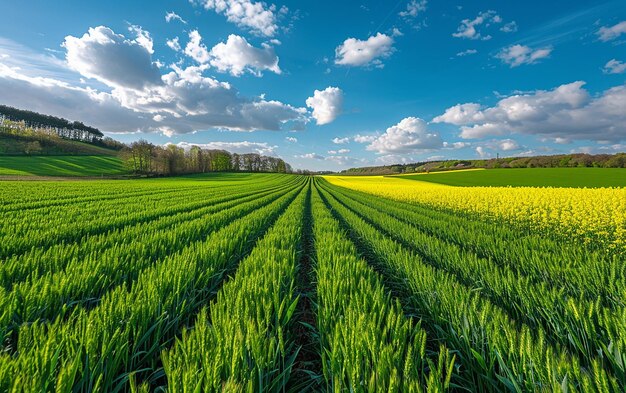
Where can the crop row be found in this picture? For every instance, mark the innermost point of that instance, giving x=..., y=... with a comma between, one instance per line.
x=28, y=230
x=211, y=293
x=119, y=339
x=495, y=350
x=596, y=217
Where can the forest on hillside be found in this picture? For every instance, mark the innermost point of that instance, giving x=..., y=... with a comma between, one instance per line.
x=556, y=161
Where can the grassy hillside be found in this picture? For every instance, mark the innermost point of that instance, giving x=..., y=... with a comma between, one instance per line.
x=17, y=144
x=61, y=166
x=531, y=177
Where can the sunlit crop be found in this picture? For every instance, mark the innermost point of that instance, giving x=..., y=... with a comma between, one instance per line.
x=595, y=216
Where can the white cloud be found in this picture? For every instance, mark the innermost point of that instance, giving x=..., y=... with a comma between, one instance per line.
x=461, y=114
x=170, y=16
x=237, y=56
x=327, y=104
x=340, y=151
x=510, y=27
x=455, y=145
x=174, y=44
x=410, y=135
x=354, y=52
x=45, y=65
x=358, y=138
x=614, y=67
x=467, y=52
x=196, y=49
x=568, y=112
x=143, y=38
x=310, y=156
x=395, y=32
x=112, y=59
x=258, y=17
x=508, y=145
x=516, y=55
x=468, y=28
x=291, y=139
x=413, y=8
x=340, y=141
x=242, y=147
x=482, y=152
x=610, y=33
x=140, y=98
x=390, y=159
x=342, y=160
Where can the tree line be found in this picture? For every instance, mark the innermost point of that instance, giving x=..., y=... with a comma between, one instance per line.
x=17, y=119
x=617, y=160
x=145, y=158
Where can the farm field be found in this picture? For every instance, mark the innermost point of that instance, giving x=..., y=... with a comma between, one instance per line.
x=72, y=166
x=527, y=177
x=268, y=282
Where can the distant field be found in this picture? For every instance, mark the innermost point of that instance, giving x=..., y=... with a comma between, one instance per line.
x=15, y=145
x=528, y=177
x=61, y=166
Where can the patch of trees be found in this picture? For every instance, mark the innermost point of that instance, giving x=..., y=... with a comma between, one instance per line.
x=17, y=120
x=556, y=161
x=145, y=158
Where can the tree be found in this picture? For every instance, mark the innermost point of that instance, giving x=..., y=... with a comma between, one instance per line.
x=32, y=148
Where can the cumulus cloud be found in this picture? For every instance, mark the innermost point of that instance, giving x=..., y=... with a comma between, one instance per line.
x=516, y=55
x=340, y=151
x=355, y=52
x=482, y=152
x=340, y=141
x=174, y=44
x=258, y=17
x=51, y=96
x=469, y=27
x=461, y=114
x=614, y=67
x=143, y=38
x=327, y=104
x=610, y=33
x=358, y=138
x=112, y=59
x=409, y=135
x=508, y=145
x=237, y=56
x=567, y=112
x=196, y=49
x=170, y=16
x=140, y=98
x=291, y=139
x=242, y=147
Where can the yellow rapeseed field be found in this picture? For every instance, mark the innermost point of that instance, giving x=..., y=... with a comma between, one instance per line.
x=591, y=215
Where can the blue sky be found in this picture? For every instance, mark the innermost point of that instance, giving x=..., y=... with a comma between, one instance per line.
x=328, y=85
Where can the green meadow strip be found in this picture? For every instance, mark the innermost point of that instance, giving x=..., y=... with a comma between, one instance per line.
x=571, y=268
x=73, y=223
x=241, y=342
x=155, y=236
x=584, y=327
x=120, y=340
x=55, y=295
x=367, y=344
x=494, y=352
